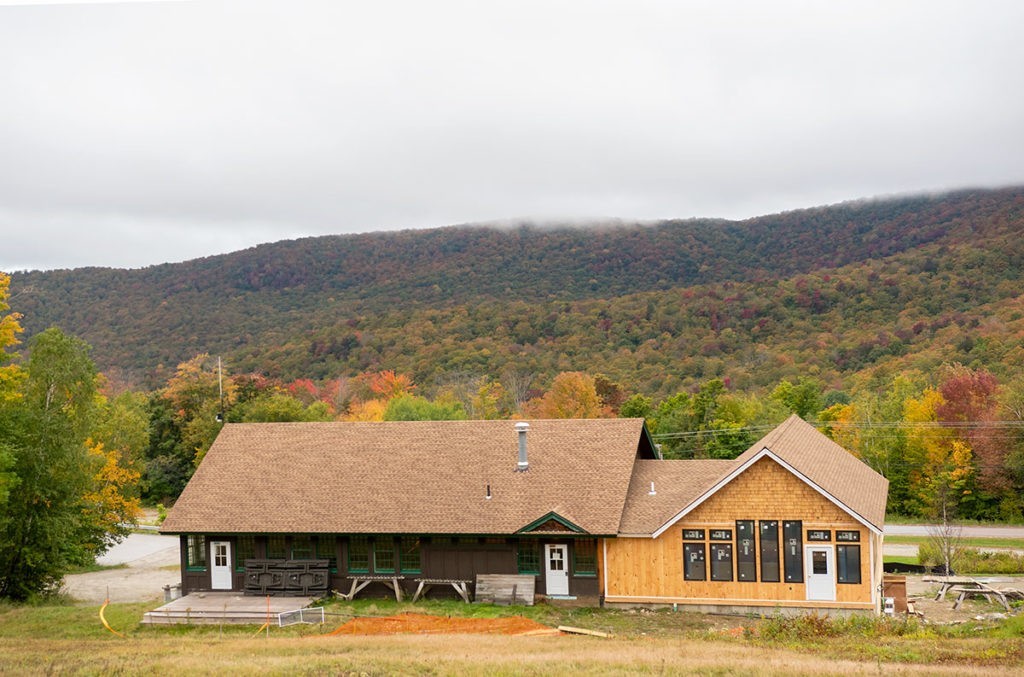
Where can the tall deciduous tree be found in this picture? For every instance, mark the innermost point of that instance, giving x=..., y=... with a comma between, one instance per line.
x=942, y=467
x=573, y=394
x=10, y=378
x=44, y=528
x=198, y=393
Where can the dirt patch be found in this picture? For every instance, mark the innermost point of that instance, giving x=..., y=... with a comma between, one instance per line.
x=423, y=624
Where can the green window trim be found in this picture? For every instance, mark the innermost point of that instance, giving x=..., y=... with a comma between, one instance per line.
x=302, y=547
x=384, y=555
x=409, y=556
x=584, y=557
x=195, y=552
x=357, y=554
x=276, y=547
x=528, y=557
x=327, y=548
x=245, y=548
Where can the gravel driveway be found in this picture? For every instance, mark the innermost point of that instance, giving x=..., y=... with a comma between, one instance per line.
x=152, y=561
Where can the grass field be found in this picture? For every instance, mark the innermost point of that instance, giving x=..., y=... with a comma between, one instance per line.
x=58, y=639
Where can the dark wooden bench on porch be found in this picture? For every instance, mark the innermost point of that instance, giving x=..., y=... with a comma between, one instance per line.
x=359, y=582
x=460, y=586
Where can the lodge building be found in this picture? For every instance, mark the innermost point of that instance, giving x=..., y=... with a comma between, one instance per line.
x=583, y=509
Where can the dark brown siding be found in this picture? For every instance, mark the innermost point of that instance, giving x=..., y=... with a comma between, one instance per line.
x=461, y=560
x=192, y=581
x=441, y=557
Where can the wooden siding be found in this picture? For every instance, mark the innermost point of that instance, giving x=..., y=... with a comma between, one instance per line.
x=651, y=570
x=440, y=557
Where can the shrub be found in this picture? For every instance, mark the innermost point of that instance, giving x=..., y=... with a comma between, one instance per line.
x=975, y=561
x=815, y=626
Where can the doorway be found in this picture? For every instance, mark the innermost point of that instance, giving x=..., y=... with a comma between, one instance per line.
x=555, y=569
x=221, y=570
x=821, y=573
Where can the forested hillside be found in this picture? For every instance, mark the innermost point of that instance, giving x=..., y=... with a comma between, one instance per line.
x=896, y=325
x=833, y=291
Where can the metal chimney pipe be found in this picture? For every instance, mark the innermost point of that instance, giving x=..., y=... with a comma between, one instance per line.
x=523, y=464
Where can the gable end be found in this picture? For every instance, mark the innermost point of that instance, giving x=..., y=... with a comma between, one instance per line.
x=764, y=453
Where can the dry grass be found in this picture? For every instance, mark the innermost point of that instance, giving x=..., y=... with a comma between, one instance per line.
x=55, y=639
x=411, y=654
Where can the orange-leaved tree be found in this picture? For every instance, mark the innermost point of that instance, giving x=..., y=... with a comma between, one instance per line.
x=573, y=394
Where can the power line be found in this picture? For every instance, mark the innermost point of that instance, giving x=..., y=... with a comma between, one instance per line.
x=875, y=425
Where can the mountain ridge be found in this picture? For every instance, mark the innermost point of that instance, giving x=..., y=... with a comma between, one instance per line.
x=300, y=295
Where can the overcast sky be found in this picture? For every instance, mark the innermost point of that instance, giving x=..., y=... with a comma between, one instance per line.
x=139, y=133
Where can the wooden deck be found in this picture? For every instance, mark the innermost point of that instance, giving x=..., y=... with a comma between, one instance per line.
x=223, y=607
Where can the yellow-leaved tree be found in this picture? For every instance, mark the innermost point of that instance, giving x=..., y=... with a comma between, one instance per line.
x=111, y=505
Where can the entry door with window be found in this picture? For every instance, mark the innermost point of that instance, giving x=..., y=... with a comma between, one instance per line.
x=556, y=571
x=821, y=573
x=221, y=567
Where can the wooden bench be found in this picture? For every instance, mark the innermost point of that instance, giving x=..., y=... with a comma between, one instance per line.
x=360, y=582
x=425, y=584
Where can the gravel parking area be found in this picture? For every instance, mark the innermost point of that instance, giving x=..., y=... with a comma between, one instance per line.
x=151, y=562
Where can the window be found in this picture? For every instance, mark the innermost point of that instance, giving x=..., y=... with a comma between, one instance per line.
x=220, y=554
x=195, y=557
x=693, y=534
x=849, y=563
x=848, y=536
x=302, y=547
x=584, y=557
x=327, y=548
x=819, y=535
x=746, y=551
x=793, y=559
x=721, y=561
x=276, y=547
x=529, y=557
x=409, y=557
x=770, y=551
x=359, y=554
x=384, y=555
x=245, y=548
x=693, y=562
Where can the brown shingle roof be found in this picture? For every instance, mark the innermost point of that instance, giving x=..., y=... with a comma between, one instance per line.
x=409, y=477
x=676, y=484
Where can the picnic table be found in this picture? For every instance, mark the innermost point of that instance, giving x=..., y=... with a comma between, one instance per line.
x=360, y=581
x=460, y=585
x=964, y=586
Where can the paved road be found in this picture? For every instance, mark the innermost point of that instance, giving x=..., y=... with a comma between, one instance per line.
x=966, y=531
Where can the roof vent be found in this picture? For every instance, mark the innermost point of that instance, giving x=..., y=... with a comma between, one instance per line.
x=652, y=492
x=488, y=496
x=523, y=464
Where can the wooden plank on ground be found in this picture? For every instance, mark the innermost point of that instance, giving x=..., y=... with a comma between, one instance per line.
x=505, y=588
x=582, y=631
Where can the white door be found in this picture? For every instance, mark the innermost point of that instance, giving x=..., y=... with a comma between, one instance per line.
x=555, y=569
x=821, y=572
x=220, y=565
